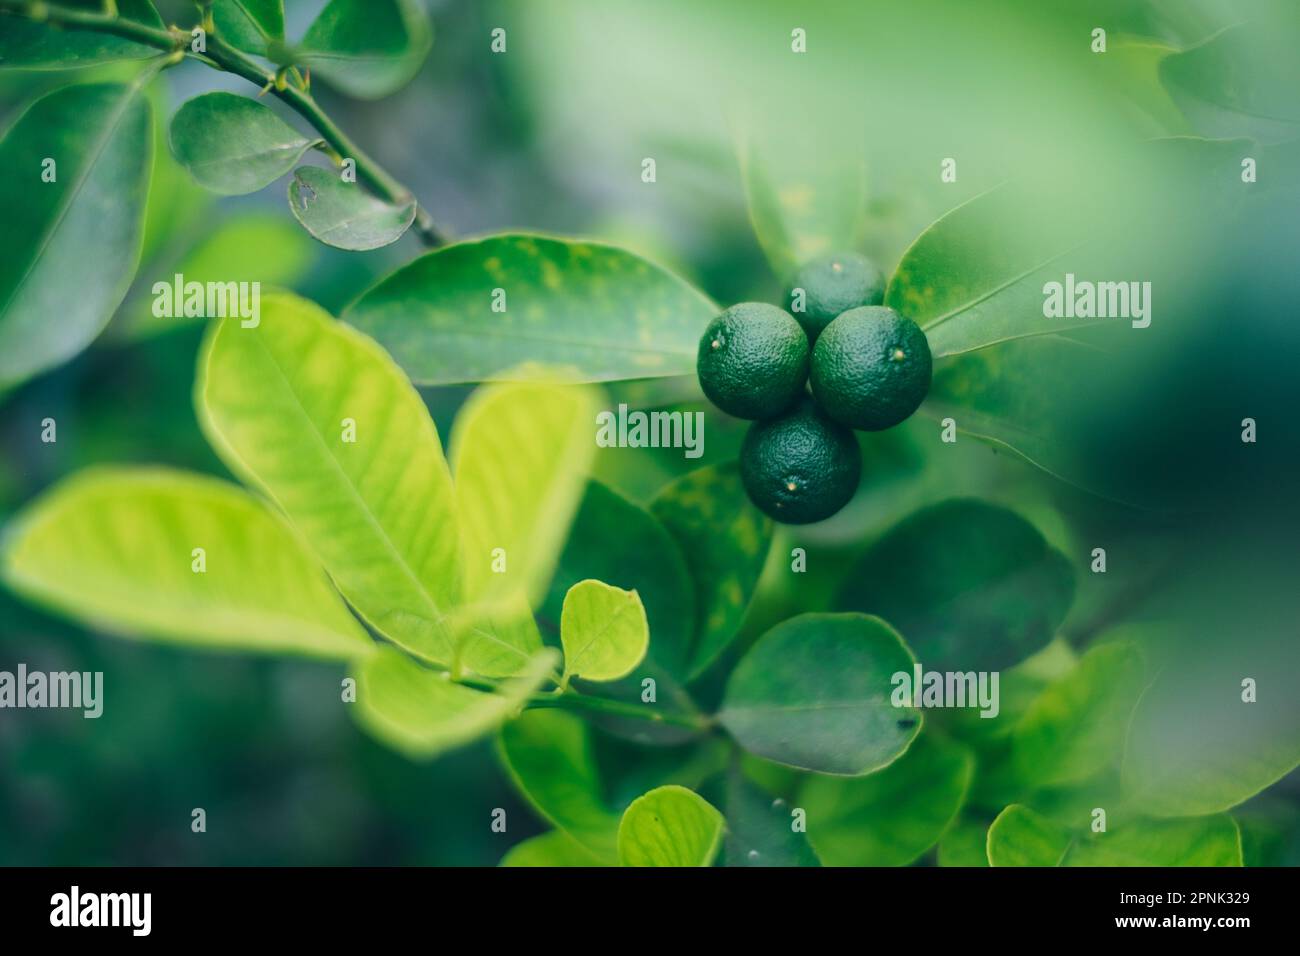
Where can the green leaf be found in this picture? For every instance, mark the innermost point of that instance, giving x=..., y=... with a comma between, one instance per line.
x=620, y=543
x=547, y=754
x=891, y=817
x=1218, y=750
x=29, y=45
x=669, y=826
x=760, y=829
x=803, y=202
x=603, y=630
x=1022, y=837
x=725, y=541
x=252, y=247
x=1238, y=82
x=1075, y=728
x=115, y=548
x=275, y=401
x=344, y=215
x=87, y=224
x=520, y=453
x=423, y=714
x=814, y=693
x=254, y=26
x=233, y=144
x=368, y=48
x=965, y=843
x=975, y=277
x=178, y=208
x=1021, y=396
x=972, y=585
x=550, y=849
x=598, y=312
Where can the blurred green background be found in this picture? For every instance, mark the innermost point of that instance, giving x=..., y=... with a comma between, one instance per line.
x=550, y=136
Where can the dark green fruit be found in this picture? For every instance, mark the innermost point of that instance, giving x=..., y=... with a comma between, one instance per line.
x=871, y=368
x=753, y=360
x=801, y=467
x=832, y=284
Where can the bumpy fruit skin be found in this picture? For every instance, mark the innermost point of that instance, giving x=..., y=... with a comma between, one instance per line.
x=753, y=360
x=833, y=284
x=802, y=467
x=871, y=368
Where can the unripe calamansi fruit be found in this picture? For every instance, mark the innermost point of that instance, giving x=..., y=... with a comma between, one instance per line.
x=753, y=360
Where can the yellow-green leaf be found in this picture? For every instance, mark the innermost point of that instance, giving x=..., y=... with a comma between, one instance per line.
x=550, y=849
x=670, y=826
x=422, y=713
x=520, y=453
x=119, y=548
x=318, y=416
x=603, y=630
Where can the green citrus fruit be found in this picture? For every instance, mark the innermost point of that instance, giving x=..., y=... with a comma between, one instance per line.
x=753, y=360
x=832, y=284
x=801, y=467
x=871, y=368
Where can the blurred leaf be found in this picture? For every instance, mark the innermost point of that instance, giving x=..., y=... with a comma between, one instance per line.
x=803, y=203
x=1195, y=746
x=177, y=204
x=603, y=630
x=254, y=26
x=975, y=277
x=1135, y=63
x=892, y=816
x=972, y=585
x=592, y=310
x=550, y=849
x=28, y=45
x=275, y=401
x=814, y=693
x=1017, y=396
x=725, y=541
x=252, y=247
x=344, y=215
x=1241, y=80
x=620, y=543
x=760, y=830
x=234, y=144
x=965, y=843
x=520, y=452
x=495, y=638
x=422, y=713
x=669, y=826
x=548, y=756
x=1075, y=728
x=1021, y=837
x=113, y=548
x=88, y=223
x=368, y=48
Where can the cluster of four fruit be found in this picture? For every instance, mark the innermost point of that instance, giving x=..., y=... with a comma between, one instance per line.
x=866, y=366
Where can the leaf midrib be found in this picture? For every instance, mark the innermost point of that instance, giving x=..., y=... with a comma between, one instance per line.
x=437, y=616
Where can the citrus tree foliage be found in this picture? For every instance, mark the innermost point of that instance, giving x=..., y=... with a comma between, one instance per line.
x=488, y=583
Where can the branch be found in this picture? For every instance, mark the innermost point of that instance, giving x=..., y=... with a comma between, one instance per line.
x=221, y=55
x=571, y=700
